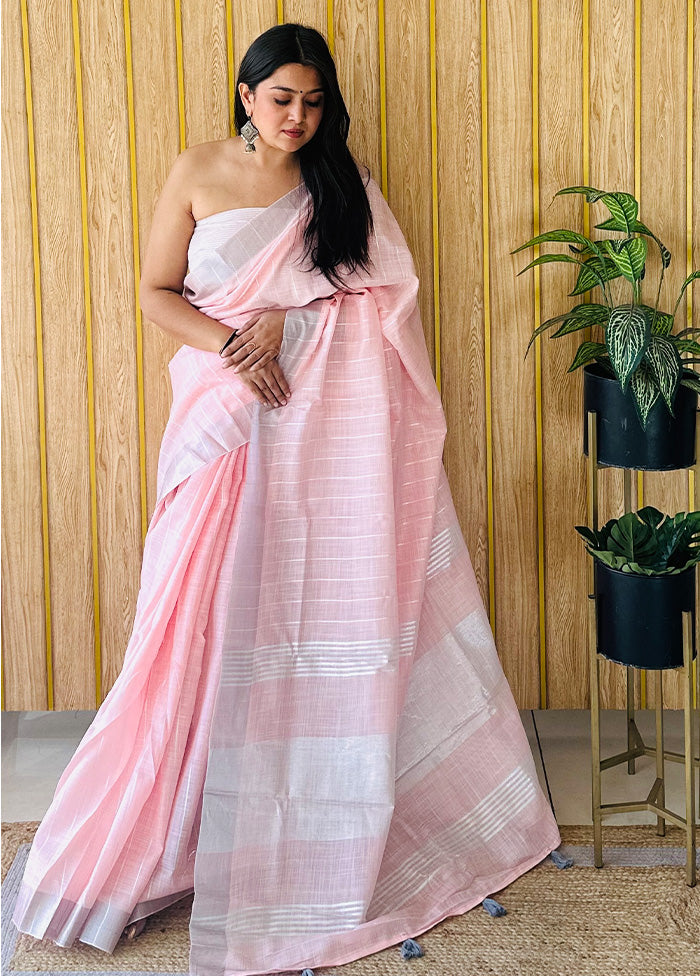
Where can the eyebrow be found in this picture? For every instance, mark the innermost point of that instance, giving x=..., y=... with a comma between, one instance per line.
x=293, y=91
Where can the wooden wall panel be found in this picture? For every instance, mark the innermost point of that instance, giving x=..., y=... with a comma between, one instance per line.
x=65, y=359
x=113, y=329
x=357, y=58
x=157, y=145
x=183, y=58
x=612, y=150
x=461, y=274
x=310, y=13
x=408, y=139
x=514, y=452
x=24, y=631
x=205, y=70
x=561, y=164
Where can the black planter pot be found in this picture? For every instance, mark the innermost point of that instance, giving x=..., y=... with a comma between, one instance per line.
x=667, y=443
x=640, y=620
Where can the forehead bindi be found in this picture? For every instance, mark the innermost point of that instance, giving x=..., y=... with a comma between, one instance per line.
x=295, y=79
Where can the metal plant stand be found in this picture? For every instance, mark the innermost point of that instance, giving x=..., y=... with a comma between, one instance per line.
x=636, y=747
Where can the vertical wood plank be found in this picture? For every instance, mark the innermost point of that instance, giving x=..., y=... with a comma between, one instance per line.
x=409, y=135
x=24, y=633
x=612, y=168
x=664, y=44
x=113, y=327
x=250, y=20
x=564, y=465
x=60, y=240
x=157, y=145
x=515, y=496
x=206, y=70
x=357, y=62
x=461, y=294
x=310, y=13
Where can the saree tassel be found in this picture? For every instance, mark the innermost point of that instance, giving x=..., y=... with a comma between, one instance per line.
x=410, y=949
x=308, y=972
x=494, y=908
x=561, y=860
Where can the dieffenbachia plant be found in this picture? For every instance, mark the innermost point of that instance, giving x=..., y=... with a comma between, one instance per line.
x=647, y=542
x=639, y=345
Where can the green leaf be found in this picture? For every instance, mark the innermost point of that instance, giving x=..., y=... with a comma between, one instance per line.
x=560, y=237
x=662, y=356
x=640, y=228
x=549, y=259
x=691, y=380
x=627, y=337
x=590, y=192
x=693, y=276
x=587, y=313
x=586, y=353
x=629, y=256
x=582, y=316
x=594, y=273
x=686, y=345
x=623, y=210
x=661, y=322
x=632, y=538
x=588, y=534
x=645, y=391
x=685, y=332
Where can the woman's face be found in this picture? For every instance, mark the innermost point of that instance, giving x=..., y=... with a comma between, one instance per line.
x=287, y=107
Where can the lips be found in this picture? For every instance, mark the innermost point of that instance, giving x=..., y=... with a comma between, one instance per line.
x=293, y=133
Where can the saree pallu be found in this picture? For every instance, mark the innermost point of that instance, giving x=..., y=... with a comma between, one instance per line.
x=312, y=729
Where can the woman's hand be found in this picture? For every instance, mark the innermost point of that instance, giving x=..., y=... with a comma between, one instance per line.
x=267, y=383
x=258, y=342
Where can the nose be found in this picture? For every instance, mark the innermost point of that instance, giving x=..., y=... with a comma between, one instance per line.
x=297, y=110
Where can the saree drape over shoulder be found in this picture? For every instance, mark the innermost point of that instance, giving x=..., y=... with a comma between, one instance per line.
x=312, y=729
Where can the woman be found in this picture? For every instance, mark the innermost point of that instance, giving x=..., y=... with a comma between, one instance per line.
x=312, y=730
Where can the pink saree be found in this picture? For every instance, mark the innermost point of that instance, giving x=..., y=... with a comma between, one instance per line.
x=312, y=729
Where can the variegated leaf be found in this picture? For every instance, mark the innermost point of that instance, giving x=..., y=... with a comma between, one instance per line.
x=627, y=337
x=623, y=210
x=549, y=259
x=587, y=352
x=644, y=391
x=629, y=256
x=661, y=323
x=687, y=345
x=560, y=237
x=590, y=192
x=595, y=273
x=582, y=317
x=665, y=363
x=691, y=380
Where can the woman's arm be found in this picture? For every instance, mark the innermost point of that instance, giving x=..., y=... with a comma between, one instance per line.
x=165, y=266
x=162, y=278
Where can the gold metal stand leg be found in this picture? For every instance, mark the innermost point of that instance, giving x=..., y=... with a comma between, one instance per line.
x=661, y=797
x=630, y=719
x=691, y=872
x=595, y=736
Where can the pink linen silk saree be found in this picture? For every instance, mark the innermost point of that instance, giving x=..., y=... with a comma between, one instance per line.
x=312, y=729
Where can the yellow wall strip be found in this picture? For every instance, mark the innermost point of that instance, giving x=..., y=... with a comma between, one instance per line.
x=689, y=108
x=280, y=11
x=331, y=26
x=382, y=97
x=137, y=266
x=638, y=194
x=180, y=74
x=487, y=308
x=231, y=67
x=586, y=108
x=88, y=344
x=538, y=351
x=41, y=396
x=436, y=222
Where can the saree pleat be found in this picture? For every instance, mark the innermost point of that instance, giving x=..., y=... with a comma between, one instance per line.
x=312, y=729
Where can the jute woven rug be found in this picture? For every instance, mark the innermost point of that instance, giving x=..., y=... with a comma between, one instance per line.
x=635, y=917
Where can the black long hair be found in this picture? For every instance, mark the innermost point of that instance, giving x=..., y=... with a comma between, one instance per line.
x=336, y=237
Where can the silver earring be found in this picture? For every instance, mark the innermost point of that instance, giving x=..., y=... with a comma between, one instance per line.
x=249, y=134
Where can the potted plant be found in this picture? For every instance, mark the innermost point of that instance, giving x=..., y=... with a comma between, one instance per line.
x=644, y=580
x=643, y=391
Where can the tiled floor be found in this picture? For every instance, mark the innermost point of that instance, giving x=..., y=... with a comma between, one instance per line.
x=36, y=747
